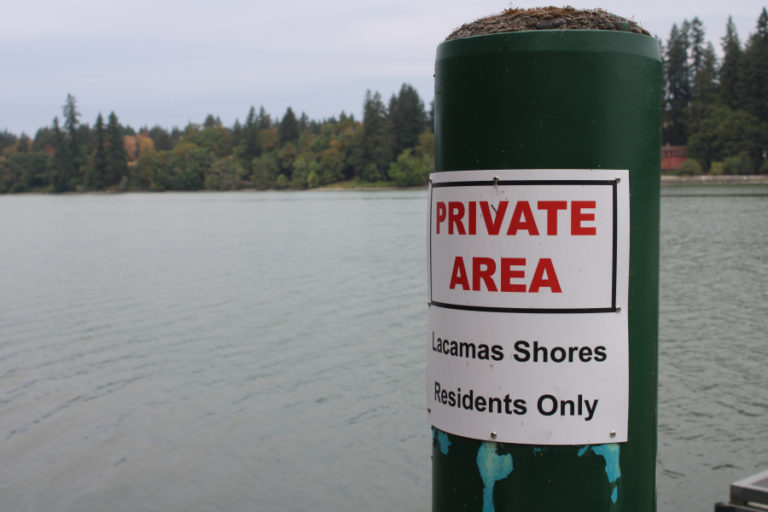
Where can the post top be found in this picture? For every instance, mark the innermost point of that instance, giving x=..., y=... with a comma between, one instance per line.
x=546, y=18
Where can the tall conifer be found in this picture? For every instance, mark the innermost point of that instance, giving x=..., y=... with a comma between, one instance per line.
x=23, y=143
x=698, y=48
x=62, y=170
x=377, y=138
x=704, y=89
x=289, y=128
x=71, y=122
x=264, y=120
x=407, y=119
x=678, y=86
x=251, y=144
x=99, y=165
x=755, y=70
x=731, y=91
x=116, y=156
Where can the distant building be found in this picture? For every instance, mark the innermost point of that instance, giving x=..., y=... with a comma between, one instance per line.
x=672, y=157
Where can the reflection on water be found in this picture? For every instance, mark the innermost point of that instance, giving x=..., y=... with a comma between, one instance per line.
x=264, y=351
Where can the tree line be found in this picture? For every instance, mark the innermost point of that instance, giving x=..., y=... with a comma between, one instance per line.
x=718, y=108
x=392, y=144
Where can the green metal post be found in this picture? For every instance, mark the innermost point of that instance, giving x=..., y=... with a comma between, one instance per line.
x=560, y=99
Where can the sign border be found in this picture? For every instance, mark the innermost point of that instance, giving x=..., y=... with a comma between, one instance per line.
x=527, y=182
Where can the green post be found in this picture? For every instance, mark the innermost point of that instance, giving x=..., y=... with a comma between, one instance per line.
x=582, y=100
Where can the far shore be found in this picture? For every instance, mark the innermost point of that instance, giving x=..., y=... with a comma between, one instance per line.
x=714, y=179
x=666, y=179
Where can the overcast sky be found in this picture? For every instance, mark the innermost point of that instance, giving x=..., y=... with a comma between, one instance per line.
x=169, y=62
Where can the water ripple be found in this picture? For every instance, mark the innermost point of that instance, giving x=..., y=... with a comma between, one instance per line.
x=221, y=351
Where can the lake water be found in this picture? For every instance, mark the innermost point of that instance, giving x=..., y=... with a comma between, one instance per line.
x=265, y=350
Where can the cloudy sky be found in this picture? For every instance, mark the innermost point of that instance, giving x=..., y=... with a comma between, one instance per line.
x=169, y=62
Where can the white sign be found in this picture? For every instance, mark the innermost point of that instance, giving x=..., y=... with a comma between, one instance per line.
x=528, y=277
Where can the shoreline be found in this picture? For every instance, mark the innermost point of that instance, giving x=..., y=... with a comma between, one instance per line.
x=715, y=179
x=666, y=180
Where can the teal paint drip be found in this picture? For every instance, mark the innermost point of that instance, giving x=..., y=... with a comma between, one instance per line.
x=492, y=469
x=611, y=454
x=445, y=443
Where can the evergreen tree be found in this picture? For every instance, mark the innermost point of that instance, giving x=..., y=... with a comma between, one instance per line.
x=24, y=143
x=703, y=72
x=289, y=128
x=250, y=138
x=264, y=120
x=407, y=118
x=698, y=49
x=678, y=86
x=704, y=92
x=99, y=161
x=377, y=142
x=237, y=132
x=43, y=140
x=730, y=72
x=7, y=139
x=62, y=171
x=84, y=141
x=755, y=70
x=75, y=136
x=116, y=156
x=211, y=122
x=250, y=119
x=304, y=123
x=71, y=121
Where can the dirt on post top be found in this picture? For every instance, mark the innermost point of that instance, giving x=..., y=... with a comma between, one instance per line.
x=546, y=18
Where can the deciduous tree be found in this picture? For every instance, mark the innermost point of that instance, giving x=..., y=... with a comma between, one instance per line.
x=724, y=133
